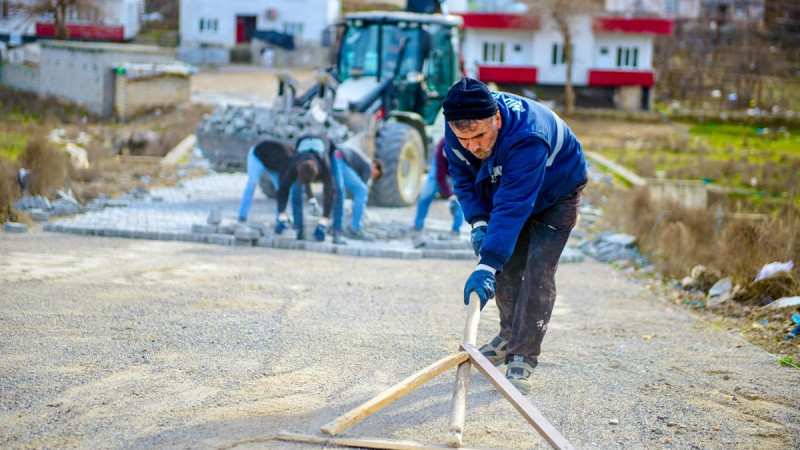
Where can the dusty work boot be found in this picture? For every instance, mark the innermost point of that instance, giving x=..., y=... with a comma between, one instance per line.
x=495, y=351
x=519, y=372
x=338, y=238
x=359, y=235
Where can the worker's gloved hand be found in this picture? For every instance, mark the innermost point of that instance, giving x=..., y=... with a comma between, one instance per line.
x=319, y=233
x=453, y=206
x=281, y=226
x=482, y=282
x=478, y=233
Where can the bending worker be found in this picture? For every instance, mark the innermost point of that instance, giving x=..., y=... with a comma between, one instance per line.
x=309, y=164
x=518, y=172
x=353, y=172
x=271, y=157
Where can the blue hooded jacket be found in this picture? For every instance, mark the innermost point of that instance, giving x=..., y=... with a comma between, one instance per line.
x=535, y=161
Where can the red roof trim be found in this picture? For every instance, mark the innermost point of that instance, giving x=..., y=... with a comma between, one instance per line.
x=636, y=25
x=91, y=32
x=508, y=74
x=496, y=20
x=621, y=78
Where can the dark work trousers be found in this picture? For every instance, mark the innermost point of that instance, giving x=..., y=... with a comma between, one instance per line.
x=526, y=288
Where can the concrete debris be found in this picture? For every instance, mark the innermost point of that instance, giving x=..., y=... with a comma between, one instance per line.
x=609, y=246
x=784, y=302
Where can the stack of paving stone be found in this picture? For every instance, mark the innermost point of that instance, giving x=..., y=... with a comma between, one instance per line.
x=41, y=209
x=267, y=123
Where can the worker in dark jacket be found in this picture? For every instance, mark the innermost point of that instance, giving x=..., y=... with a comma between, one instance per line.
x=271, y=157
x=353, y=172
x=311, y=163
x=518, y=172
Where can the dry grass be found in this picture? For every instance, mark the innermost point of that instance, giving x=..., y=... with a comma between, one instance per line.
x=47, y=164
x=677, y=238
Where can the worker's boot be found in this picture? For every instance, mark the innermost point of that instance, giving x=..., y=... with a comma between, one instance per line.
x=519, y=372
x=495, y=351
x=338, y=238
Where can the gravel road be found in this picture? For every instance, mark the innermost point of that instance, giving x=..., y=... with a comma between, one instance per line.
x=108, y=342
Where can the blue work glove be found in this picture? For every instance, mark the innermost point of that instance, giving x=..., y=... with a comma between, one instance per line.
x=482, y=282
x=478, y=233
x=281, y=226
x=453, y=206
x=319, y=233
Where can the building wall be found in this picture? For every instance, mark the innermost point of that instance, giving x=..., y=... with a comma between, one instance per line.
x=82, y=72
x=133, y=96
x=115, y=12
x=642, y=43
x=20, y=76
x=582, y=42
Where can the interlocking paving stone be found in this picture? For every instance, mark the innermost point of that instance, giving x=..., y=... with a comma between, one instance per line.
x=180, y=213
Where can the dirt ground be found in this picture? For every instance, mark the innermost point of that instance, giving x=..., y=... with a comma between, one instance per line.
x=129, y=343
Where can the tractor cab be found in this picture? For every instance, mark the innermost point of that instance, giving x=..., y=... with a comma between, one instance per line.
x=412, y=56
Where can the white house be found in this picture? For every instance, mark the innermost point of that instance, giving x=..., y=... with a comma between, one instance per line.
x=115, y=20
x=233, y=22
x=612, y=56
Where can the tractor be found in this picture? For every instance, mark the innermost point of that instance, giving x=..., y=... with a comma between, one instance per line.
x=385, y=91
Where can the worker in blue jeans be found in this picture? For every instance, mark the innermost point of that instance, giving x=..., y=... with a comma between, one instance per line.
x=271, y=157
x=438, y=182
x=352, y=172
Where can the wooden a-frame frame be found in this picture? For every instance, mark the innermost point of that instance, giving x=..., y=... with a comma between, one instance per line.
x=464, y=359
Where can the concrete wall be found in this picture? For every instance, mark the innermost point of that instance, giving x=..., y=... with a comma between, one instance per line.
x=133, y=96
x=82, y=72
x=689, y=193
x=20, y=76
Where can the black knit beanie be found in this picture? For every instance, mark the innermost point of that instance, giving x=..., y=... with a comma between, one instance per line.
x=468, y=99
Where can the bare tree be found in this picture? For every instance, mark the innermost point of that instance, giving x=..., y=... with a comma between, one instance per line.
x=563, y=13
x=60, y=11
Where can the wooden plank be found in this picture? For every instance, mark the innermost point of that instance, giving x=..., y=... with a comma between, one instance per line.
x=385, y=398
x=358, y=442
x=531, y=414
x=458, y=405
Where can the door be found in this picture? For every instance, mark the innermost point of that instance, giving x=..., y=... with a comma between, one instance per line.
x=244, y=28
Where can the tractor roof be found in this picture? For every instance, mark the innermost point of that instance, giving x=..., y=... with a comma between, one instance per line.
x=393, y=17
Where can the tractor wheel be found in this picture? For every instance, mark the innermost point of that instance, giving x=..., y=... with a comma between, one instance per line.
x=402, y=151
x=270, y=190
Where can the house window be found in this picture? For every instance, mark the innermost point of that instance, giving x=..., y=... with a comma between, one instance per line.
x=558, y=57
x=4, y=11
x=628, y=57
x=494, y=52
x=293, y=28
x=208, y=25
x=604, y=51
x=671, y=7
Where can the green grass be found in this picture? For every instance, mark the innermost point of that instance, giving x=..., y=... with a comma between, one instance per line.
x=740, y=137
x=788, y=362
x=11, y=145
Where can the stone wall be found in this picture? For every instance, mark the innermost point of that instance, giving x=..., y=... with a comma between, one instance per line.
x=134, y=96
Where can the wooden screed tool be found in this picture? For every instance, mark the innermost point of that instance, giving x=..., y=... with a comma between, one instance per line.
x=467, y=355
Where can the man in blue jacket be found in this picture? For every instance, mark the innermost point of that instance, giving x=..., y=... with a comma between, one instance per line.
x=518, y=172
